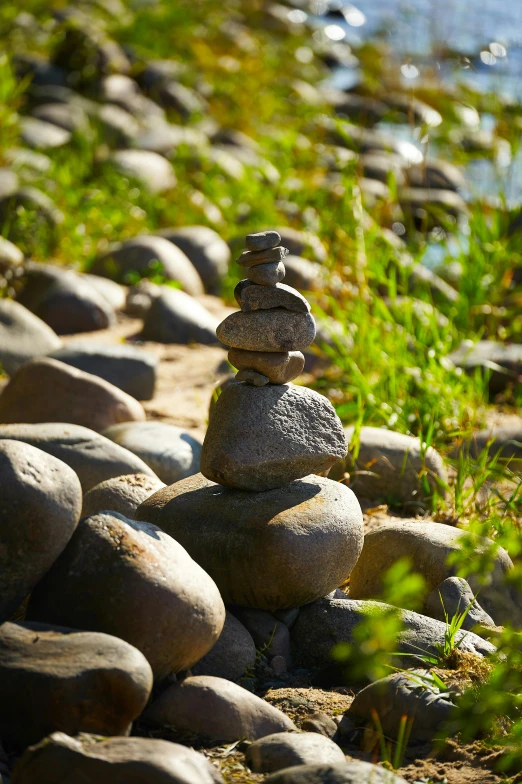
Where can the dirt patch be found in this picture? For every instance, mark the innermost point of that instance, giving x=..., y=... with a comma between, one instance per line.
x=300, y=703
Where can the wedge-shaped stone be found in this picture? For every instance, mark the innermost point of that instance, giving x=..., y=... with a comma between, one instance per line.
x=267, y=274
x=251, y=258
x=250, y=296
x=279, y=367
x=267, y=330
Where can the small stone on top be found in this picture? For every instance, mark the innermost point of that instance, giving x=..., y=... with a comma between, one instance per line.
x=263, y=240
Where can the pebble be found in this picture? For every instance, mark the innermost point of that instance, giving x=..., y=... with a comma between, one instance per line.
x=170, y=451
x=232, y=655
x=60, y=758
x=251, y=258
x=122, y=494
x=175, y=317
x=68, y=680
x=154, y=589
x=259, y=458
x=252, y=377
x=351, y=772
x=63, y=391
x=209, y=254
x=267, y=274
x=41, y=134
x=262, y=240
x=267, y=330
x=23, y=336
x=285, y=750
x=217, y=709
x=303, y=539
x=279, y=367
x=250, y=296
x=454, y=597
x=41, y=504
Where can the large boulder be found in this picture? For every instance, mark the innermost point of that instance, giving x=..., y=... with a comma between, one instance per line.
x=428, y=546
x=132, y=580
x=260, y=439
x=23, y=336
x=145, y=255
x=45, y=389
x=175, y=317
x=121, y=494
x=39, y=511
x=285, y=749
x=61, y=679
x=232, y=655
x=207, y=251
x=131, y=369
x=216, y=709
x=170, y=451
x=93, y=457
x=270, y=550
x=60, y=759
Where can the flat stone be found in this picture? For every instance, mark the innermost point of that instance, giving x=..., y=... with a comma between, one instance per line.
x=263, y=240
x=62, y=679
x=285, y=750
x=454, y=597
x=232, y=655
x=23, y=336
x=142, y=255
x=122, y=494
x=267, y=274
x=153, y=170
x=207, y=251
x=251, y=258
x=132, y=580
x=428, y=545
x=297, y=432
x=302, y=540
x=279, y=367
x=41, y=504
x=250, y=296
x=170, y=451
x=41, y=134
x=127, y=367
x=175, y=317
x=327, y=622
x=93, y=457
x=352, y=772
x=113, y=761
x=252, y=377
x=61, y=389
x=217, y=709
x=267, y=330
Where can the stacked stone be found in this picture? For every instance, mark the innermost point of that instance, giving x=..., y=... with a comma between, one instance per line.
x=266, y=337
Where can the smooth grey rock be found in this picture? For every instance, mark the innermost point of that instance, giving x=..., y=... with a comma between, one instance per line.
x=436, y=173
x=252, y=377
x=42, y=135
x=165, y=138
x=303, y=274
x=285, y=749
x=392, y=467
x=428, y=546
x=321, y=723
x=278, y=367
x=427, y=205
x=9, y=183
x=131, y=369
x=132, y=580
x=325, y=623
x=140, y=298
x=232, y=655
x=299, y=242
x=250, y=258
x=302, y=540
x=93, y=457
x=175, y=317
x=112, y=292
x=419, y=275
x=209, y=254
x=62, y=389
x=68, y=116
x=351, y=772
x=40, y=508
x=504, y=362
x=22, y=158
x=288, y=616
x=412, y=693
x=41, y=207
x=297, y=432
x=250, y=296
x=150, y=168
x=381, y=165
x=60, y=759
x=184, y=100
x=267, y=330
x=53, y=678
x=453, y=597
x=217, y=709
x=270, y=635
x=122, y=494
x=170, y=451
x=140, y=254
x=504, y=441
x=267, y=274
x=263, y=240
x=10, y=255
x=23, y=336
x=120, y=129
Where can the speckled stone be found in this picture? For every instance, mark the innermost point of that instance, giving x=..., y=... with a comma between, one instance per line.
x=267, y=274
x=262, y=240
x=252, y=377
x=279, y=367
x=250, y=296
x=267, y=330
x=259, y=439
x=251, y=258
